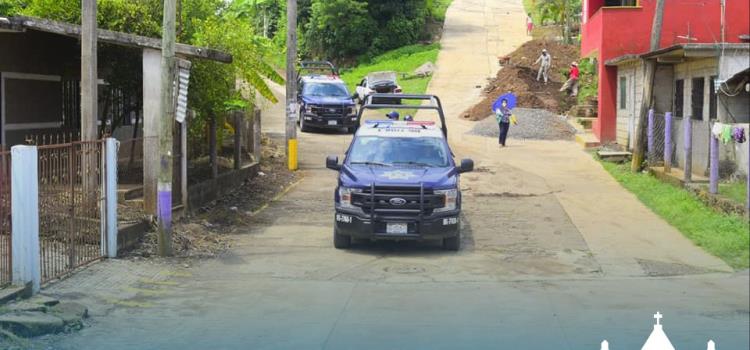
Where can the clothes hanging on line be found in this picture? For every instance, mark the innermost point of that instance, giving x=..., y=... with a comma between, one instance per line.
x=738, y=134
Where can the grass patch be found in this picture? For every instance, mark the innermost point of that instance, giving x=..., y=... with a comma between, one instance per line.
x=403, y=60
x=736, y=191
x=725, y=236
x=438, y=8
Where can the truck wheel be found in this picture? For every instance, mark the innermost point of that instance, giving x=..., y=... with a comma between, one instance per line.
x=452, y=243
x=352, y=129
x=341, y=241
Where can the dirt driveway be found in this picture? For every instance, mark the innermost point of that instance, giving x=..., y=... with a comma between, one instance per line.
x=556, y=256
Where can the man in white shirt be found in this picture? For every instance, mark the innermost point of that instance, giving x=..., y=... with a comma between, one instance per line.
x=545, y=61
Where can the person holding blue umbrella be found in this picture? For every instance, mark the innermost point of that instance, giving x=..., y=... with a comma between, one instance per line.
x=503, y=114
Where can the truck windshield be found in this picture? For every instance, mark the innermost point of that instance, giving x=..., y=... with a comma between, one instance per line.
x=399, y=151
x=325, y=89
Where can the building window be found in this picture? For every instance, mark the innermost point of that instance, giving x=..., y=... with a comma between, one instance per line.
x=712, y=98
x=696, y=98
x=679, y=97
x=619, y=3
x=623, y=93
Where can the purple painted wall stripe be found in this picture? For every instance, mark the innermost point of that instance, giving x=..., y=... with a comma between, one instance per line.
x=668, y=142
x=713, y=186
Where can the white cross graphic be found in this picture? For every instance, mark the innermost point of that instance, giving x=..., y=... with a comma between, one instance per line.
x=658, y=316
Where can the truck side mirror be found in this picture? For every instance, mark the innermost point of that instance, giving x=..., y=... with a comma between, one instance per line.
x=467, y=165
x=332, y=162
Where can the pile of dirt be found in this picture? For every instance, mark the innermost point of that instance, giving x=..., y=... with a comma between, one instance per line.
x=518, y=76
x=207, y=232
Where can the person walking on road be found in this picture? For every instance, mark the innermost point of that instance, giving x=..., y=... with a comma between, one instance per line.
x=571, y=85
x=529, y=24
x=503, y=117
x=545, y=62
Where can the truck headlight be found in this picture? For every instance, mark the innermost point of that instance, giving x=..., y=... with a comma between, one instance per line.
x=345, y=197
x=308, y=108
x=449, y=199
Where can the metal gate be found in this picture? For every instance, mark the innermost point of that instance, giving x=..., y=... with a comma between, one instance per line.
x=5, y=220
x=71, y=203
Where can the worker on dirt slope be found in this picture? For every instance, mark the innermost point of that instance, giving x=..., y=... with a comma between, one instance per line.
x=571, y=85
x=545, y=62
x=503, y=117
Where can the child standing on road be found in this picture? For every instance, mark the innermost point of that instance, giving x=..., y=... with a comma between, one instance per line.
x=503, y=115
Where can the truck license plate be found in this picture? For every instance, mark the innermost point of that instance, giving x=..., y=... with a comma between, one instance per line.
x=396, y=229
x=332, y=122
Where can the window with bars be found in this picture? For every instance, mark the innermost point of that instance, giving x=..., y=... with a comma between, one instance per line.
x=696, y=97
x=712, y=98
x=679, y=97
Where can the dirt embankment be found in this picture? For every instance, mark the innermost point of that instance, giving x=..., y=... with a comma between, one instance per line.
x=518, y=75
x=207, y=231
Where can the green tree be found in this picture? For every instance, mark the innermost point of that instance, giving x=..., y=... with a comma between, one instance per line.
x=339, y=29
x=560, y=12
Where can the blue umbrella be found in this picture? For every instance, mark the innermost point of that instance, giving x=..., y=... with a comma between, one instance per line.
x=510, y=97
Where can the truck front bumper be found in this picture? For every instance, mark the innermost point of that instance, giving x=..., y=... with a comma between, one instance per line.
x=317, y=121
x=363, y=226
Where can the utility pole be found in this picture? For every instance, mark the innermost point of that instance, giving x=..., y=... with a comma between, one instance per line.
x=89, y=79
x=164, y=186
x=648, y=87
x=291, y=84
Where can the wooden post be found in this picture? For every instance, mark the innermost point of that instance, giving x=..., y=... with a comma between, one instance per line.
x=212, y=152
x=648, y=88
x=687, y=124
x=164, y=187
x=238, y=119
x=291, y=85
x=183, y=161
x=650, y=148
x=257, y=136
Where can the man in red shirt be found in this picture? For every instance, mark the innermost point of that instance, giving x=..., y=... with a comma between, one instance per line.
x=572, y=84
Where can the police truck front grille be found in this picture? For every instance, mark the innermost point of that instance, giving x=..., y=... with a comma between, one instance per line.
x=398, y=200
x=331, y=110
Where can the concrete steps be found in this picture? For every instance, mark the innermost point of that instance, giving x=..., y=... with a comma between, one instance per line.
x=614, y=156
x=587, y=140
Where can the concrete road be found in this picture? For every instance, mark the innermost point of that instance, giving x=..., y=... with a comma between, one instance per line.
x=555, y=256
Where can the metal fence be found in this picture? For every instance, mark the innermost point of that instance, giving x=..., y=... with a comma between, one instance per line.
x=656, y=146
x=5, y=220
x=70, y=206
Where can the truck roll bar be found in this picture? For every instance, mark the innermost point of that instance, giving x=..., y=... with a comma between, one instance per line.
x=434, y=105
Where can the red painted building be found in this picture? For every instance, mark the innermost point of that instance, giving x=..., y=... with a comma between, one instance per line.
x=614, y=28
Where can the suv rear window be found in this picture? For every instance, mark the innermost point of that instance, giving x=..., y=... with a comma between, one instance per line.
x=401, y=151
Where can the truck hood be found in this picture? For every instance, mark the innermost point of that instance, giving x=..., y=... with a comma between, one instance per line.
x=327, y=100
x=379, y=78
x=364, y=176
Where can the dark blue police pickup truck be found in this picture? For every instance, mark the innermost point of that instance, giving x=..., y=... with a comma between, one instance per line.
x=324, y=101
x=398, y=180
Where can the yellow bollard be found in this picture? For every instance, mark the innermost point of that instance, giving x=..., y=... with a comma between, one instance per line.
x=292, y=154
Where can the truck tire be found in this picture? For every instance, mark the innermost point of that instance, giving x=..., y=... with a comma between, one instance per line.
x=452, y=243
x=341, y=241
